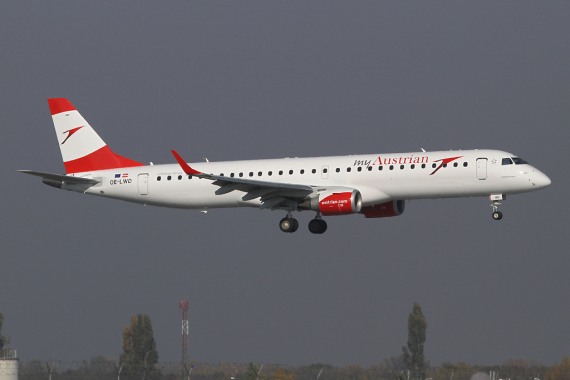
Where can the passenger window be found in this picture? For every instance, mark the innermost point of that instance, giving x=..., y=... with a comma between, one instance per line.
x=337, y=170
x=241, y=174
x=169, y=177
x=280, y=172
x=455, y=164
x=270, y=173
x=290, y=171
x=380, y=167
x=314, y=171
x=401, y=167
x=391, y=167
x=158, y=178
x=360, y=168
x=412, y=166
x=348, y=170
x=370, y=168
x=179, y=177
x=465, y=164
x=302, y=171
x=325, y=170
x=423, y=166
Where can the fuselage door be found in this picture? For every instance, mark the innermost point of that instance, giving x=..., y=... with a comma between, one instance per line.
x=143, y=184
x=482, y=168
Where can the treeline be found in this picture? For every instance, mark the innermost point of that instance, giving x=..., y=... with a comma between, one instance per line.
x=100, y=368
x=139, y=360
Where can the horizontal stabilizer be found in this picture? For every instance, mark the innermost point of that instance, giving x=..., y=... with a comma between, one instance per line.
x=67, y=179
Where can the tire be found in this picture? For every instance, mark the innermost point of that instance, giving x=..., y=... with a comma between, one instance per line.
x=314, y=226
x=497, y=215
x=295, y=225
x=285, y=225
x=317, y=226
x=288, y=224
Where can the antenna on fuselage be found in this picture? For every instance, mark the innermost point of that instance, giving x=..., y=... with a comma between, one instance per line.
x=423, y=150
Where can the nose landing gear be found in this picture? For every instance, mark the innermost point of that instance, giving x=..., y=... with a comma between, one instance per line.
x=495, y=203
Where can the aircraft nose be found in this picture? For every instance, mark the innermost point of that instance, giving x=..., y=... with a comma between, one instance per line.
x=540, y=179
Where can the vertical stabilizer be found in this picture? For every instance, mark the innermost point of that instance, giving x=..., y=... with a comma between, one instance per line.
x=81, y=147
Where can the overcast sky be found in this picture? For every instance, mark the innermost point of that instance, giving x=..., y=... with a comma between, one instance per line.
x=269, y=79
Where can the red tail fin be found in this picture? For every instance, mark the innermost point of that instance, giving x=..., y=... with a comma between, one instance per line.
x=81, y=147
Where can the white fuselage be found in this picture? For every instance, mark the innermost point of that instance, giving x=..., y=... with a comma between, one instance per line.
x=378, y=177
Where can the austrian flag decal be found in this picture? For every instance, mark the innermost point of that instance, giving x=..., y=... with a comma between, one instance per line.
x=120, y=179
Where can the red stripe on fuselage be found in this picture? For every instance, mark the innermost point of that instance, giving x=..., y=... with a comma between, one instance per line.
x=101, y=159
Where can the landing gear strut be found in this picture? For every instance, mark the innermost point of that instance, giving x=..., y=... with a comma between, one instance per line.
x=495, y=203
x=317, y=225
x=288, y=224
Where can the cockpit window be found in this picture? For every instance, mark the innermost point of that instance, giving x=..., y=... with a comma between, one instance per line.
x=507, y=161
x=519, y=161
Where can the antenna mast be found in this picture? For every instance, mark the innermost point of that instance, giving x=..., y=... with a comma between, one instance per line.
x=185, y=327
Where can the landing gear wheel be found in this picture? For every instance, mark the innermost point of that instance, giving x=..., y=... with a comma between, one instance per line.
x=295, y=225
x=288, y=224
x=497, y=215
x=317, y=226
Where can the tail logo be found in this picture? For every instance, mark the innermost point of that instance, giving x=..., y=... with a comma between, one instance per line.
x=70, y=133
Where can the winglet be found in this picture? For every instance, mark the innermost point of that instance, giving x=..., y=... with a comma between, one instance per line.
x=187, y=169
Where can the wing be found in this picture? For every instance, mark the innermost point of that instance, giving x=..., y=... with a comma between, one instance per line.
x=273, y=195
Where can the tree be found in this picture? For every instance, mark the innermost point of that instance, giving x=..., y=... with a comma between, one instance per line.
x=282, y=374
x=414, y=351
x=3, y=340
x=139, y=357
x=252, y=372
x=560, y=371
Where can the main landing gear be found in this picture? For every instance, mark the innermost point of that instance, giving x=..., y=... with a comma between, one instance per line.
x=317, y=225
x=495, y=203
x=290, y=224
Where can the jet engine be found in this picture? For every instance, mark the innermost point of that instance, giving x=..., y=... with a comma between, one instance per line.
x=383, y=210
x=335, y=201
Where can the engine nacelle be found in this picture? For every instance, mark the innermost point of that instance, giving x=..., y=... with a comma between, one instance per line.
x=384, y=210
x=338, y=201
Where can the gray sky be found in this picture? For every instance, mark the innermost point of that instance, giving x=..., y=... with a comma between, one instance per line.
x=258, y=79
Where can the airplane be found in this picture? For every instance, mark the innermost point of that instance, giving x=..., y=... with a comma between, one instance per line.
x=374, y=185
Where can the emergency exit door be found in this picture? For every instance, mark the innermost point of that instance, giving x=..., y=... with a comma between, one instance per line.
x=143, y=184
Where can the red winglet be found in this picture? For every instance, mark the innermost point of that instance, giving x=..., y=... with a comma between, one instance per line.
x=187, y=169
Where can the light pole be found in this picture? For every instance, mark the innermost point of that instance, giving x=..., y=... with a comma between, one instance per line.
x=320, y=372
